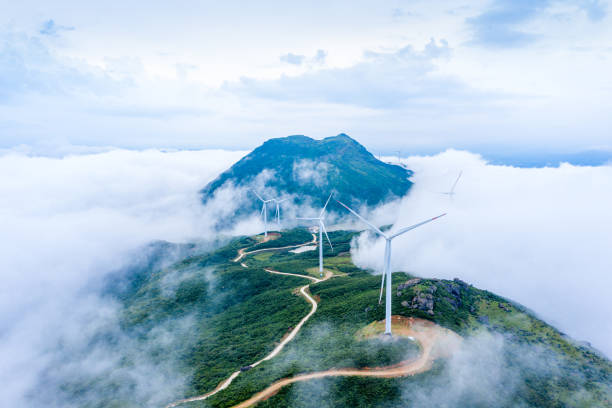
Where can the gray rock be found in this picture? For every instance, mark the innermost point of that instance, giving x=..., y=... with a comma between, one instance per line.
x=504, y=307
x=453, y=302
x=408, y=284
x=423, y=301
x=460, y=283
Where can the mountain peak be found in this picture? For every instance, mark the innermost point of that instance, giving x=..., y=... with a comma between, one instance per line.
x=342, y=136
x=310, y=169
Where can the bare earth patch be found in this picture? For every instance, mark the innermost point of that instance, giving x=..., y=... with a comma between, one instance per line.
x=435, y=341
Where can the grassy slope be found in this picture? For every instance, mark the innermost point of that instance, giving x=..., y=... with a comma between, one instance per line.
x=349, y=169
x=241, y=313
x=348, y=303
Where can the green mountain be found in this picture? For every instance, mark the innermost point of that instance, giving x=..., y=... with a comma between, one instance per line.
x=223, y=316
x=312, y=169
x=191, y=317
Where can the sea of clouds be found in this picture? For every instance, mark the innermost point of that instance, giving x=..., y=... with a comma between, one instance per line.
x=540, y=236
x=67, y=222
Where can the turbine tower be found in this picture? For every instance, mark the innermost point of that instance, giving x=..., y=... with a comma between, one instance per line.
x=387, y=261
x=451, y=193
x=320, y=219
x=264, y=212
x=277, y=215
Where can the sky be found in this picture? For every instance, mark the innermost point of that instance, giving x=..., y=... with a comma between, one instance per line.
x=114, y=115
x=499, y=77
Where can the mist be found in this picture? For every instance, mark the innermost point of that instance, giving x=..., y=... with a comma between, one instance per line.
x=539, y=236
x=489, y=370
x=67, y=223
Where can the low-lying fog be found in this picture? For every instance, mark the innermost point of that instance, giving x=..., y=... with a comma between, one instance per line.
x=538, y=236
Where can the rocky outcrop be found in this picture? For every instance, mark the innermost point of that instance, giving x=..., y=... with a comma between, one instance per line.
x=455, y=289
x=504, y=307
x=423, y=300
x=406, y=285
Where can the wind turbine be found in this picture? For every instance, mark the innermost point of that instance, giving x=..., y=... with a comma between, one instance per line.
x=451, y=192
x=387, y=267
x=322, y=230
x=277, y=215
x=264, y=212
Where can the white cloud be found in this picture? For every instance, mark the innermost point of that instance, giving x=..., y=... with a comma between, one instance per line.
x=66, y=223
x=310, y=172
x=538, y=236
x=380, y=80
x=157, y=86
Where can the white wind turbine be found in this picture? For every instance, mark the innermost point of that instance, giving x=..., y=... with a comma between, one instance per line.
x=322, y=230
x=451, y=192
x=387, y=259
x=264, y=212
x=277, y=215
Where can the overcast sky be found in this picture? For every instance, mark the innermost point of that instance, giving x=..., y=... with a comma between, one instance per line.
x=490, y=76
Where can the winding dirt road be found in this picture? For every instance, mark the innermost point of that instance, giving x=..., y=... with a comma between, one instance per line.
x=303, y=291
x=242, y=252
x=435, y=342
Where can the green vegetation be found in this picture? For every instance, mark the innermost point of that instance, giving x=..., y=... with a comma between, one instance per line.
x=293, y=236
x=341, y=164
x=240, y=314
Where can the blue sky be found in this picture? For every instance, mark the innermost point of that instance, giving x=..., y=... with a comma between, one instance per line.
x=502, y=77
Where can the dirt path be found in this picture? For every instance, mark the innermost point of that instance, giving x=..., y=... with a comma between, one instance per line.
x=242, y=252
x=303, y=291
x=435, y=342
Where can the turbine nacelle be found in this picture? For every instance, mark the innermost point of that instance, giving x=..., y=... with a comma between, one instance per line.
x=451, y=192
x=320, y=219
x=387, y=260
x=264, y=211
x=277, y=214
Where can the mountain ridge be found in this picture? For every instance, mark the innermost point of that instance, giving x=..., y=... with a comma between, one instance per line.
x=308, y=169
x=244, y=309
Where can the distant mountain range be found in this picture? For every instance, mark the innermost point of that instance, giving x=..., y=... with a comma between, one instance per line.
x=310, y=169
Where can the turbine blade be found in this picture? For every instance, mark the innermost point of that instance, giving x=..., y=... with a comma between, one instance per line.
x=325, y=206
x=263, y=207
x=382, y=286
x=403, y=230
x=363, y=219
x=325, y=231
x=456, y=181
x=258, y=196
